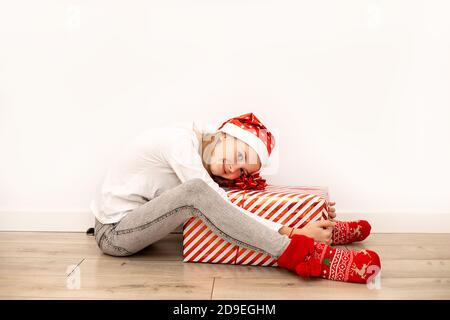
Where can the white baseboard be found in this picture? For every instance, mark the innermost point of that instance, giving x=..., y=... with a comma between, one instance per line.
x=394, y=222
x=46, y=221
x=382, y=222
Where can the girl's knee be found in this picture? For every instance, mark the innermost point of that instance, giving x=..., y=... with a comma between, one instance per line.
x=108, y=248
x=196, y=186
x=115, y=252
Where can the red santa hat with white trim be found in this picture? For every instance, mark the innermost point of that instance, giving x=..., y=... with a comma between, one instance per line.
x=249, y=129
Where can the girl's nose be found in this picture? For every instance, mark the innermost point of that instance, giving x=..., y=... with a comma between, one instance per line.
x=234, y=170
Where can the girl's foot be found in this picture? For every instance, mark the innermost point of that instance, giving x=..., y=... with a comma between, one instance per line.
x=308, y=258
x=345, y=232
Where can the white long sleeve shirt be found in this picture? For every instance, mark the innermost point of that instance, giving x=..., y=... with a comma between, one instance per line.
x=155, y=161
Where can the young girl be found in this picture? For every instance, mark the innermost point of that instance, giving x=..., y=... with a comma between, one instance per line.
x=170, y=174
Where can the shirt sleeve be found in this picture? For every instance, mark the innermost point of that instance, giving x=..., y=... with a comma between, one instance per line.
x=188, y=165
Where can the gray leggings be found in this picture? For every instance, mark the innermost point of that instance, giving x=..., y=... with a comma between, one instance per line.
x=158, y=217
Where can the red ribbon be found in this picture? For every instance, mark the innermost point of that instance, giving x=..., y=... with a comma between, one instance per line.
x=248, y=182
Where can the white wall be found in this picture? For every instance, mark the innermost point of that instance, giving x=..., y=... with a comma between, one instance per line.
x=358, y=90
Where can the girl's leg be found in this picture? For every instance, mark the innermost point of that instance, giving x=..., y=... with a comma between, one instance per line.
x=155, y=219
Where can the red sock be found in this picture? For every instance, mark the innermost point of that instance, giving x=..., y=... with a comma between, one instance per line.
x=310, y=259
x=347, y=265
x=299, y=248
x=350, y=231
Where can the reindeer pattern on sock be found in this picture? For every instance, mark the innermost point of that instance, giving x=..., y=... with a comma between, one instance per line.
x=359, y=271
x=356, y=231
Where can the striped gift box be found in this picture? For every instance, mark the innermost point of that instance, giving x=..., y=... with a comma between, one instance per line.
x=292, y=206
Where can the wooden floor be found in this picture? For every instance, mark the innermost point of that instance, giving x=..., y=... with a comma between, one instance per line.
x=41, y=265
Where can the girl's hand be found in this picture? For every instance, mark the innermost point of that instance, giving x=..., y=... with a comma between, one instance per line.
x=331, y=209
x=320, y=231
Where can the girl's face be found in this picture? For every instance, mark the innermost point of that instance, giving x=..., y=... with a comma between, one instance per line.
x=232, y=157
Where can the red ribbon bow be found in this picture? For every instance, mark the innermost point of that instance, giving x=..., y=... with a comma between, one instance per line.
x=251, y=181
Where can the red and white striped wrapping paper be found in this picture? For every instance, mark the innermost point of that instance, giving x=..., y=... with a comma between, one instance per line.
x=292, y=206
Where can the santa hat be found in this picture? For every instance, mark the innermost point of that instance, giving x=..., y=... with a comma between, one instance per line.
x=249, y=129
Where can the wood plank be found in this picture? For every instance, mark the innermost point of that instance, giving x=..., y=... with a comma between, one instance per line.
x=104, y=287
x=415, y=268
x=36, y=245
x=176, y=269
x=47, y=266
x=173, y=270
x=297, y=288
